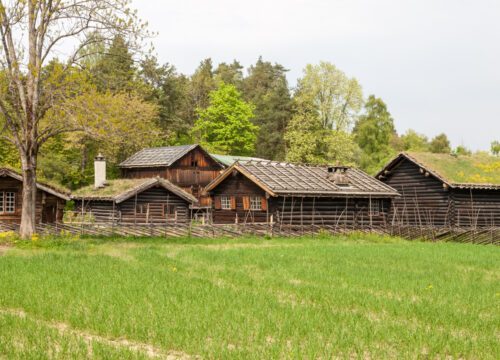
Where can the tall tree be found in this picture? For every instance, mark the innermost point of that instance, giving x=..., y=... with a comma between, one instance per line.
x=26, y=98
x=266, y=87
x=440, y=144
x=225, y=125
x=115, y=70
x=229, y=73
x=337, y=97
x=412, y=141
x=373, y=131
x=309, y=142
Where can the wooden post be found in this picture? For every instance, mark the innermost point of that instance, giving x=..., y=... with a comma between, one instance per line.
x=113, y=219
x=81, y=222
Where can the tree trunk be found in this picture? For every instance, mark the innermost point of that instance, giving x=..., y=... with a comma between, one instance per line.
x=28, y=214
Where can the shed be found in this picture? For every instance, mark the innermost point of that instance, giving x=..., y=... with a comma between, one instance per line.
x=261, y=191
x=137, y=201
x=444, y=190
x=188, y=166
x=50, y=198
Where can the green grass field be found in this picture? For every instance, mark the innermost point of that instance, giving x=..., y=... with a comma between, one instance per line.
x=312, y=298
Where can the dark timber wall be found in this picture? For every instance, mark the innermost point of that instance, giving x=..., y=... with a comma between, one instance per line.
x=49, y=208
x=191, y=173
x=152, y=206
x=425, y=201
x=295, y=210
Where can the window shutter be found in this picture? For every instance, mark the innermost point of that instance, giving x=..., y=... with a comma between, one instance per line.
x=217, y=203
x=233, y=203
x=264, y=203
x=246, y=203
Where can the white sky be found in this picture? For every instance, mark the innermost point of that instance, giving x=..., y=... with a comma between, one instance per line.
x=436, y=63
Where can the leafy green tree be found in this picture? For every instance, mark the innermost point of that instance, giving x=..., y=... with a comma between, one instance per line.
x=373, y=132
x=440, y=144
x=267, y=88
x=495, y=148
x=462, y=150
x=224, y=126
x=309, y=142
x=412, y=141
x=338, y=98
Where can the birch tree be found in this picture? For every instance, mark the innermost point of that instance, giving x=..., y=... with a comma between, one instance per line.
x=32, y=33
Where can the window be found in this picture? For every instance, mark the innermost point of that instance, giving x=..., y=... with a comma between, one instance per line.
x=225, y=202
x=255, y=203
x=375, y=208
x=140, y=209
x=7, y=202
x=169, y=210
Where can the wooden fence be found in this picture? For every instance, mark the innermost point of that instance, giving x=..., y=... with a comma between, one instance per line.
x=485, y=235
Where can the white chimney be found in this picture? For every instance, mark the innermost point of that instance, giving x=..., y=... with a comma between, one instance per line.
x=99, y=171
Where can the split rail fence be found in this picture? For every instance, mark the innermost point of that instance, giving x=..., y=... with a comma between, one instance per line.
x=478, y=235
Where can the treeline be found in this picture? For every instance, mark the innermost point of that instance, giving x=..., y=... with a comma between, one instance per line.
x=128, y=104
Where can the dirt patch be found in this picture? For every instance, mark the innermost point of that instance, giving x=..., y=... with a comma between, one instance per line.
x=143, y=348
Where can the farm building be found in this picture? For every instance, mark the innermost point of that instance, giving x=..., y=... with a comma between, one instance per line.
x=265, y=191
x=189, y=167
x=134, y=201
x=50, y=199
x=444, y=190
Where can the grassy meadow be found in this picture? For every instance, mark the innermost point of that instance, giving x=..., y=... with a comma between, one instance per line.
x=355, y=297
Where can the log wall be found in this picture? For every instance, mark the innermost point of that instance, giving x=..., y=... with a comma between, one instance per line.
x=49, y=208
x=153, y=206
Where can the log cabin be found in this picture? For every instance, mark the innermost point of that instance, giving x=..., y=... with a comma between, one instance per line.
x=134, y=201
x=266, y=191
x=189, y=167
x=50, y=199
x=444, y=190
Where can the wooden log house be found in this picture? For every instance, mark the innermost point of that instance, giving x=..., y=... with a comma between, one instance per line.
x=134, y=201
x=50, y=199
x=188, y=166
x=444, y=190
x=271, y=192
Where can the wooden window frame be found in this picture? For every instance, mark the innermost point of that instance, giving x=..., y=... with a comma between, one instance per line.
x=169, y=210
x=255, y=203
x=375, y=207
x=12, y=202
x=226, y=202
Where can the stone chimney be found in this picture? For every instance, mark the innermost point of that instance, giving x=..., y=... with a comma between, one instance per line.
x=337, y=174
x=99, y=171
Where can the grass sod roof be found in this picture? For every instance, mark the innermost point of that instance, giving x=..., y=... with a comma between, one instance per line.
x=480, y=170
x=44, y=184
x=121, y=189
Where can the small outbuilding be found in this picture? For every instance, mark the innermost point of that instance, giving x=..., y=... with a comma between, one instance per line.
x=444, y=190
x=50, y=199
x=266, y=191
x=134, y=201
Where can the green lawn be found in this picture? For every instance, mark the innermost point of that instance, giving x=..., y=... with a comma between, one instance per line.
x=311, y=298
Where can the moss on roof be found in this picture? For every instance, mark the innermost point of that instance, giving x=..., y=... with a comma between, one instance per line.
x=111, y=189
x=40, y=180
x=480, y=168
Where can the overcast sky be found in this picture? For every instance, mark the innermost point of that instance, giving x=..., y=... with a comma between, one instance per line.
x=436, y=63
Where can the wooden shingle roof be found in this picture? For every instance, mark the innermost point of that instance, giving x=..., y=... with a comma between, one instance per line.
x=158, y=156
x=281, y=179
